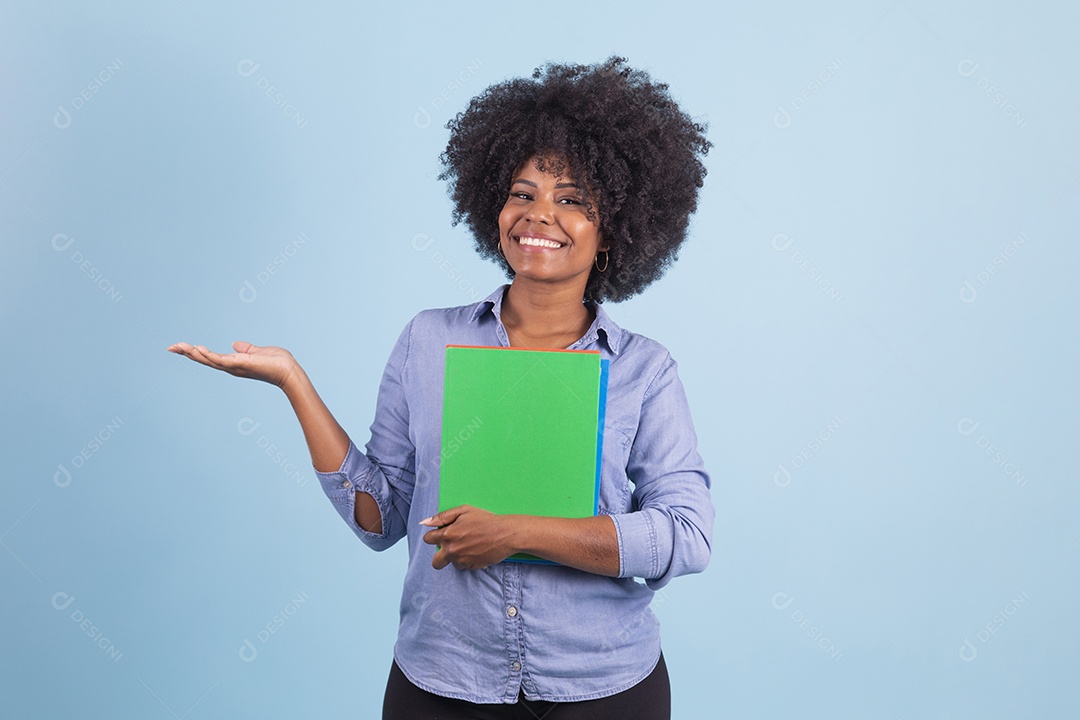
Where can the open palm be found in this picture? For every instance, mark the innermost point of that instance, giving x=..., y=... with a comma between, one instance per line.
x=270, y=364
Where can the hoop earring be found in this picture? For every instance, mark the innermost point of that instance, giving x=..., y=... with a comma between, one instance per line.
x=498, y=248
x=596, y=261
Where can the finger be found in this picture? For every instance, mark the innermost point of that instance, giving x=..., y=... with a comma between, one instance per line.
x=228, y=363
x=204, y=355
x=241, y=346
x=190, y=352
x=183, y=348
x=439, y=561
x=207, y=352
x=433, y=537
x=445, y=517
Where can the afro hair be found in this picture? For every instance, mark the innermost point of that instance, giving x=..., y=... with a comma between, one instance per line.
x=622, y=136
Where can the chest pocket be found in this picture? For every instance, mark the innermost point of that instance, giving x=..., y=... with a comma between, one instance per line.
x=614, y=484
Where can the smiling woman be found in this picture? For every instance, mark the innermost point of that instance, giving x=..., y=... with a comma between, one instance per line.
x=607, y=127
x=551, y=240
x=581, y=182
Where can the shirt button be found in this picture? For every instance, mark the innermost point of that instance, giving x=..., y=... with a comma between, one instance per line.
x=346, y=484
x=511, y=611
x=515, y=665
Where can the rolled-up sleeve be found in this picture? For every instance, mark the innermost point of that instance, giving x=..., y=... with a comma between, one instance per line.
x=669, y=533
x=387, y=470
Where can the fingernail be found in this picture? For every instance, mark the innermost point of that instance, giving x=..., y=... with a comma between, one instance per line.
x=426, y=521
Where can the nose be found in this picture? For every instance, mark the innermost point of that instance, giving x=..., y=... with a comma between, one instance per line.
x=541, y=210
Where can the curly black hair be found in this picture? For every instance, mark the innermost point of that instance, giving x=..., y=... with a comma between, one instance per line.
x=622, y=136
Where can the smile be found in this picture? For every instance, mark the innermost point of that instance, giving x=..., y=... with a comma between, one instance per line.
x=539, y=242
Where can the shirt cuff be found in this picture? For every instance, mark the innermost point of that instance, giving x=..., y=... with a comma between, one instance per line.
x=341, y=487
x=645, y=543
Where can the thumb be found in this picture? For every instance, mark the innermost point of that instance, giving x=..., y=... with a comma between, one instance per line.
x=243, y=347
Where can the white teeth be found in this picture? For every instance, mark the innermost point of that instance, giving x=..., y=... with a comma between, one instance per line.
x=537, y=242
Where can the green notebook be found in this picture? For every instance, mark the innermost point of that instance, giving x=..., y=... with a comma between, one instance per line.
x=522, y=431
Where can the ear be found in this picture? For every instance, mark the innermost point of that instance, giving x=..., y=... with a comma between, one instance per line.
x=602, y=245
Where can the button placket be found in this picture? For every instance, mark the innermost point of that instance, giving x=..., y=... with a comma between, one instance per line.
x=513, y=627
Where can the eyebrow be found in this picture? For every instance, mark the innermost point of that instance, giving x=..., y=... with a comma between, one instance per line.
x=559, y=186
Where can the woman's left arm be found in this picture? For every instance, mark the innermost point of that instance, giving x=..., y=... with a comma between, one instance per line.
x=470, y=538
x=669, y=532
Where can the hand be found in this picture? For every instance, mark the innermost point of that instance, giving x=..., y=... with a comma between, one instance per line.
x=470, y=538
x=270, y=364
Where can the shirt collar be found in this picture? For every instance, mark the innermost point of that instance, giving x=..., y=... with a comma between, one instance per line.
x=492, y=303
x=603, y=325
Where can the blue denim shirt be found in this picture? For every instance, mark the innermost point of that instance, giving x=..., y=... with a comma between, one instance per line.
x=557, y=633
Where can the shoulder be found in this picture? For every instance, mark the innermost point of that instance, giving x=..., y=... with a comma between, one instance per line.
x=633, y=349
x=427, y=334
x=436, y=320
x=643, y=346
x=649, y=361
x=450, y=318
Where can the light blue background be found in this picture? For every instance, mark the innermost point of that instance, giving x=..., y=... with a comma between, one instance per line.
x=877, y=299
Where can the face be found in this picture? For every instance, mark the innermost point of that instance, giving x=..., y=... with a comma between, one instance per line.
x=545, y=230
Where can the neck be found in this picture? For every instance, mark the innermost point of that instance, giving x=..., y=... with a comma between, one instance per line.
x=544, y=317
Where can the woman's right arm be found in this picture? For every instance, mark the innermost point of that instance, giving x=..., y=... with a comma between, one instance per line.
x=327, y=441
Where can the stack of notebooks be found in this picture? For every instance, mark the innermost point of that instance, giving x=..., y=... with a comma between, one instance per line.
x=523, y=431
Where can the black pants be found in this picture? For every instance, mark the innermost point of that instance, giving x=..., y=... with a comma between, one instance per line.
x=650, y=699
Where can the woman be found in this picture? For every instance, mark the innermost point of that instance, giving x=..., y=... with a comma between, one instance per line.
x=580, y=181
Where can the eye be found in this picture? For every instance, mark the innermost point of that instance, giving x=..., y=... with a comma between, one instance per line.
x=571, y=200
x=521, y=195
